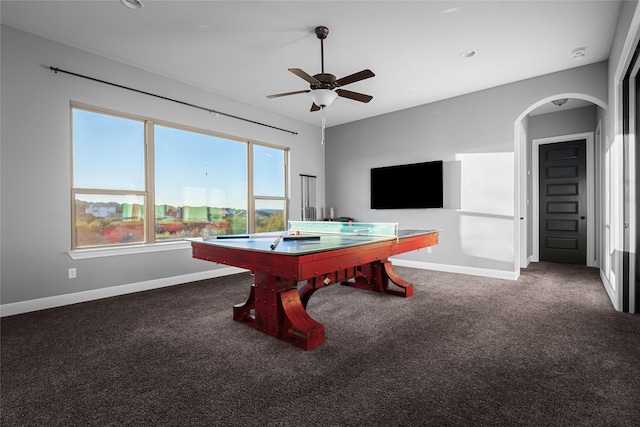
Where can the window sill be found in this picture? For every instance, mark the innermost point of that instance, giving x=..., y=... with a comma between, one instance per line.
x=130, y=250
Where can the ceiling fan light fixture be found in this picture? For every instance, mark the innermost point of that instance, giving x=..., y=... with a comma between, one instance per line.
x=323, y=97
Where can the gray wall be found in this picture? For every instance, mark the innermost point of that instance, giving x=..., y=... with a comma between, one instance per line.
x=36, y=204
x=474, y=135
x=466, y=132
x=567, y=122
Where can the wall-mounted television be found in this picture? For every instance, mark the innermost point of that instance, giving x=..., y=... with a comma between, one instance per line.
x=411, y=186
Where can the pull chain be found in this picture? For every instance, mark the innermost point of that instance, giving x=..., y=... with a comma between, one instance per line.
x=324, y=124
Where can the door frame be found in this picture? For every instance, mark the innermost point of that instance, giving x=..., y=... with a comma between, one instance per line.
x=523, y=200
x=535, y=193
x=630, y=191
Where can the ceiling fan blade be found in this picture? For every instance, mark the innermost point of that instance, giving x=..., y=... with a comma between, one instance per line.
x=303, y=75
x=314, y=107
x=354, y=95
x=278, y=95
x=355, y=77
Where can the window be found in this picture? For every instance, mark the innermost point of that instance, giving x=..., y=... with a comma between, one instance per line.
x=137, y=181
x=269, y=188
x=109, y=192
x=201, y=184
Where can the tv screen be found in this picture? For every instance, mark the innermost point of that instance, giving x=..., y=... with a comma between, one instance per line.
x=412, y=186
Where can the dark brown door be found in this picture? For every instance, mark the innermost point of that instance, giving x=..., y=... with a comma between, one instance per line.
x=563, y=202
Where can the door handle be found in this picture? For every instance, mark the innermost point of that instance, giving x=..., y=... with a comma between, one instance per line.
x=582, y=217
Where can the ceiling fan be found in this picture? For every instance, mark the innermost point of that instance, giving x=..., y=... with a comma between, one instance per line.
x=324, y=87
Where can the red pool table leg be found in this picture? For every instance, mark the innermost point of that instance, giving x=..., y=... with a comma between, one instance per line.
x=375, y=277
x=244, y=312
x=406, y=288
x=299, y=328
x=274, y=308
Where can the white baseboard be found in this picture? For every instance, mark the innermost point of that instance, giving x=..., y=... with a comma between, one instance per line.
x=77, y=297
x=472, y=271
x=610, y=291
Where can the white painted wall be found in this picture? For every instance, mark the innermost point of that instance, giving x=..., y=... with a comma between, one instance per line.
x=35, y=172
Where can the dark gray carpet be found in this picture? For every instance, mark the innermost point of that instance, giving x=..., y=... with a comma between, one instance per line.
x=546, y=350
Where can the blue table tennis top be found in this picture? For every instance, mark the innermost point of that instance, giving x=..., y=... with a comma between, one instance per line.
x=263, y=242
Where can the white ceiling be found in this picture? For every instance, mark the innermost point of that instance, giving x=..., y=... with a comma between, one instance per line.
x=242, y=49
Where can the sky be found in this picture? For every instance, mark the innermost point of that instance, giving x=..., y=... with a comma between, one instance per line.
x=191, y=169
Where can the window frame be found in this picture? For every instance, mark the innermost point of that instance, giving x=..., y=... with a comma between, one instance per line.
x=150, y=244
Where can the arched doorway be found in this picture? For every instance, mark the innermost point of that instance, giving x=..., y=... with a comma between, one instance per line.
x=527, y=227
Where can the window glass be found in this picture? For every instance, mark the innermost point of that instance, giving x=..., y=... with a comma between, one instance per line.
x=108, y=152
x=270, y=215
x=269, y=179
x=268, y=171
x=200, y=184
x=108, y=219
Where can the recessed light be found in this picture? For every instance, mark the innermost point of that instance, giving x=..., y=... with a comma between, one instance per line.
x=468, y=53
x=132, y=4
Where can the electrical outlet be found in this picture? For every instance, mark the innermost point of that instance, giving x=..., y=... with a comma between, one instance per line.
x=72, y=273
x=428, y=249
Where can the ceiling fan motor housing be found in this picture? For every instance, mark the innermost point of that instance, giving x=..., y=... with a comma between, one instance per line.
x=327, y=81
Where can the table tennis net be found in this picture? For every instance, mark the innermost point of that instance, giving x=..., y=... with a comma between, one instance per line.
x=353, y=228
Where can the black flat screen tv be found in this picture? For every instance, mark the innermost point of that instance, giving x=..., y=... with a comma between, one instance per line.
x=411, y=186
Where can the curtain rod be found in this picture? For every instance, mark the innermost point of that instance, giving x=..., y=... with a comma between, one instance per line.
x=209, y=110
